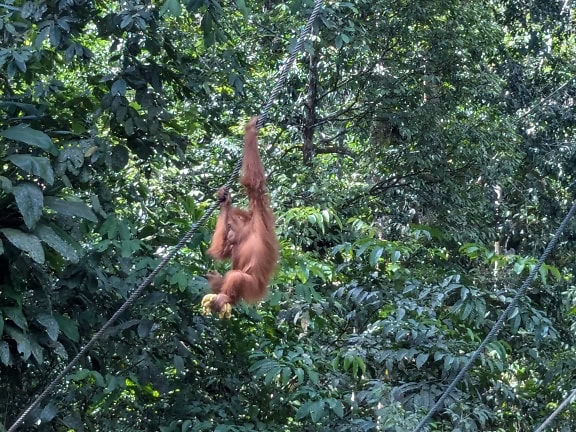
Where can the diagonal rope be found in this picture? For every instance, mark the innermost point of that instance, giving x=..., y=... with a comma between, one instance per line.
x=500, y=323
x=557, y=411
x=280, y=82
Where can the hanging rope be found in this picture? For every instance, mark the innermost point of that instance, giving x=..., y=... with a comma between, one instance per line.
x=280, y=81
x=557, y=411
x=500, y=323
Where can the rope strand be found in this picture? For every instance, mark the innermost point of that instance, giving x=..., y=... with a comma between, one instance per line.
x=557, y=411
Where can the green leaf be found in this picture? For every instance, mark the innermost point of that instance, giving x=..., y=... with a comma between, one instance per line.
x=241, y=5
x=363, y=245
x=52, y=239
x=339, y=42
x=375, y=255
x=4, y=353
x=70, y=208
x=68, y=327
x=48, y=412
x=16, y=315
x=118, y=88
x=313, y=375
x=38, y=166
x=186, y=425
x=300, y=375
x=22, y=342
x=36, y=351
x=171, y=7
x=5, y=184
x=271, y=374
x=337, y=407
x=30, y=201
x=50, y=324
x=317, y=411
x=24, y=133
x=178, y=362
x=25, y=242
x=421, y=359
x=286, y=375
x=304, y=410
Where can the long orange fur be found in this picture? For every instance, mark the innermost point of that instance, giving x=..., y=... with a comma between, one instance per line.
x=246, y=237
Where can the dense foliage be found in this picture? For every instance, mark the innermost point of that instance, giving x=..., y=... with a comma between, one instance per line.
x=419, y=156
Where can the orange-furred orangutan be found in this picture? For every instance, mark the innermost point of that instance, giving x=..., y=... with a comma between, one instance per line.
x=246, y=237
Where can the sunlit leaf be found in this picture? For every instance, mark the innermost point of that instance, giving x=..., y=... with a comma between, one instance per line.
x=48, y=412
x=56, y=242
x=38, y=166
x=68, y=327
x=32, y=137
x=51, y=325
x=25, y=242
x=30, y=202
x=70, y=208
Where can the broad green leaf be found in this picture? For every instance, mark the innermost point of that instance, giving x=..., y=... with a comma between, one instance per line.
x=68, y=327
x=25, y=242
x=241, y=5
x=30, y=201
x=38, y=166
x=313, y=375
x=300, y=375
x=144, y=328
x=22, y=342
x=118, y=88
x=32, y=137
x=37, y=351
x=178, y=362
x=375, y=255
x=421, y=359
x=338, y=41
x=555, y=272
x=347, y=362
x=272, y=374
x=70, y=208
x=5, y=184
x=50, y=324
x=4, y=353
x=286, y=375
x=48, y=412
x=543, y=273
x=317, y=410
x=16, y=315
x=52, y=239
x=304, y=410
x=338, y=409
x=171, y=7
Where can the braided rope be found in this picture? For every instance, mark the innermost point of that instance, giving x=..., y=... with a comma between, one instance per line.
x=280, y=81
x=500, y=323
x=557, y=411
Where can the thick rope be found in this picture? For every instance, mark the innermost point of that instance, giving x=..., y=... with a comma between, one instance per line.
x=280, y=81
x=557, y=411
x=500, y=323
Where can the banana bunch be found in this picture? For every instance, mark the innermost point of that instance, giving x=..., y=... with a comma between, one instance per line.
x=225, y=312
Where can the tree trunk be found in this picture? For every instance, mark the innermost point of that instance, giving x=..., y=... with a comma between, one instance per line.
x=308, y=149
